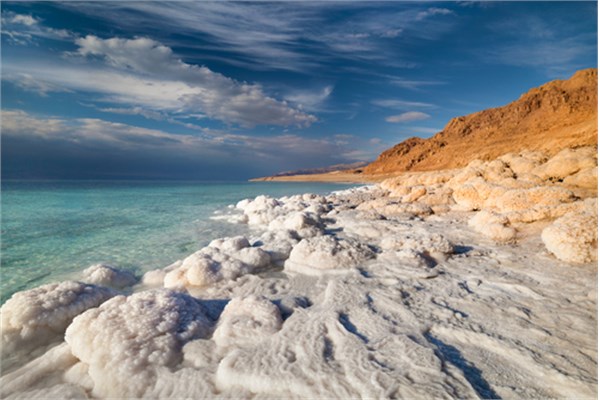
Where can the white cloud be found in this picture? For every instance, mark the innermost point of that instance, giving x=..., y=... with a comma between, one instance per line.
x=27, y=20
x=31, y=84
x=310, y=100
x=413, y=84
x=407, y=117
x=197, y=87
x=400, y=104
x=21, y=29
x=148, y=114
x=141, y=72
x=430, y=12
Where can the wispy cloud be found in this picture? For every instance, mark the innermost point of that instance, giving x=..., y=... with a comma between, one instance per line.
x=550, y=44
x=289, y=35
x=421, y=15
x=400, y=104
x=310, y=100
x=31, y=84
x=23, y=29
x=413, y=84
x=141, y=72
x=408, y=117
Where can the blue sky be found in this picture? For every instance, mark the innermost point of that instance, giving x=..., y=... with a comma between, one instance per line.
x=219, y=91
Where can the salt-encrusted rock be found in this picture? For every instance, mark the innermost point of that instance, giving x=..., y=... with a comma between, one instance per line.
x=246, y=321
x=574, y=236
x=127, y=340
x=523, y=199
x=106, y=275
x=524, y=162
x=305, y=224
x=230, y=244
x=392, y=207
x=493, y=225
x=326, y=254
x=496, y=170
x=586, y=178
x=537, y=213
x=156, y=277
x=416, y=192
x=567, y=162
x=37, y=317
x=419, y=242
x=278, y=244
x=473, y=194
x=438, y=196
x=223, y=259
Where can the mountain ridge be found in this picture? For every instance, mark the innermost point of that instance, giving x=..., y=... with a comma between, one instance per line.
x=558, y=114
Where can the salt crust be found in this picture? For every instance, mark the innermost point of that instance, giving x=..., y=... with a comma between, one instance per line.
x=320, y=254
x=245, y=321
x=574, y=236
x=512, y=190
x=106, y=275
x=38, y=317
x=127, y=340
x=222, y=259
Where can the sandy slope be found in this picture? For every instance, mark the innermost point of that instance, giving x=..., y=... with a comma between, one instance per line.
x=454, y=284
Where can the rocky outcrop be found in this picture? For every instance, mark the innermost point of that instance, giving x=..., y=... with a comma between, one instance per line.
x=549, y=118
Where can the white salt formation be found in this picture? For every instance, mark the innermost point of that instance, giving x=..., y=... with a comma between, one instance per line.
x=222, y=259
x=106, y=275
x=38, y=317
x=326, y=254
x=127, y=341
x=574, y=236
x=475, y=282
x=246, y=320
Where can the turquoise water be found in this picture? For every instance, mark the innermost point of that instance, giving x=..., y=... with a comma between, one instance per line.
x=51, y=230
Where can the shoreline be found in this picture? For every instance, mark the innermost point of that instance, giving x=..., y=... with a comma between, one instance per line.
x=379, y=291
x=330, y=177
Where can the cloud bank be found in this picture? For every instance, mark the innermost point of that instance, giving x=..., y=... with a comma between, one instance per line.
x=94, y=148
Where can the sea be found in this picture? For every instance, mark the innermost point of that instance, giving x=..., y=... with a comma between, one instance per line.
x=51, y=230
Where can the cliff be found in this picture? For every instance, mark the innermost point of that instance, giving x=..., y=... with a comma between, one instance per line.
x=558, y=114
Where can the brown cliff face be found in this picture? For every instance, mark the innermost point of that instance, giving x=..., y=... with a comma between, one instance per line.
x=549, y=118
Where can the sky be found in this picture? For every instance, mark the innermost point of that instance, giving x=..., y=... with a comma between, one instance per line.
x=231, y=91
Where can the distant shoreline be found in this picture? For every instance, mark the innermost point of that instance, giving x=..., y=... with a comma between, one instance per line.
x=330, y=177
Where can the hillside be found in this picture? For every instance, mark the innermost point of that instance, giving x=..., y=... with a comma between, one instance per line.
x=549, y=118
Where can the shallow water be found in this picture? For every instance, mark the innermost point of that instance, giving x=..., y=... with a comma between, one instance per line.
x=52, y=229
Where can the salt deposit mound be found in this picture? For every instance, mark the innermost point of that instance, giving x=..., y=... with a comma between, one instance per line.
x=322, y=254
x=510, y=193
x=574, y=236
x=38, y=317
x=223, y=259
x=127, y=341
x=106, y=275
x=245, y=321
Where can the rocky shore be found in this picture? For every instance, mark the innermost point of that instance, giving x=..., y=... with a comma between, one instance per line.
x=473, y=282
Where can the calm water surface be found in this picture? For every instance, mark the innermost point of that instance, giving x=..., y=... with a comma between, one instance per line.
x=51, y=230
